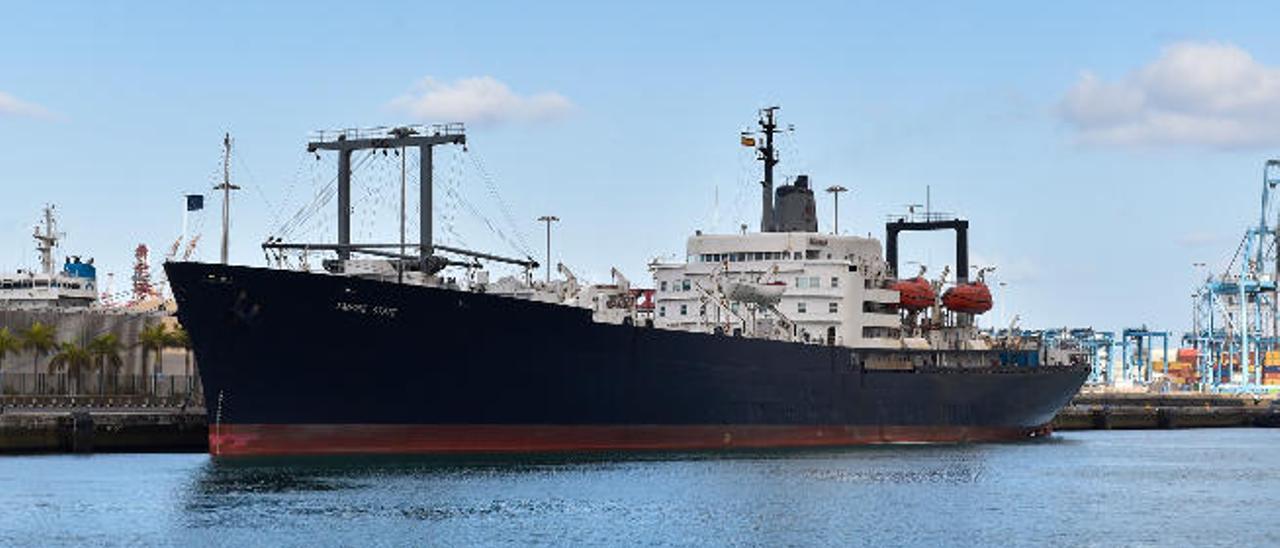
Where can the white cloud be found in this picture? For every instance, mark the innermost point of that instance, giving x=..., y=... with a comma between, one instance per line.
x=12, y=106
x=481, y=100
x=1196, y=93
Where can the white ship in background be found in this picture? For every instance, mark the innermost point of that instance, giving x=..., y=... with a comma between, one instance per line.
x=73, y=286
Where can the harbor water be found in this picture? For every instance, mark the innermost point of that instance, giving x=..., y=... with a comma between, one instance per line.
x=1122, y=488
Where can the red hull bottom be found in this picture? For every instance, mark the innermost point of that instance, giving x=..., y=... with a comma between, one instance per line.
x=338, y=439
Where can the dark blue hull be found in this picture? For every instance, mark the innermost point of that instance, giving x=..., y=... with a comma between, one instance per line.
x=279, y=349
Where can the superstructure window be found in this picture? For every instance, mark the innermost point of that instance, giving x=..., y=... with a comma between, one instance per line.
x=684, y=285
x=802, y=283
x=662, y=311
x=684, y=310
x=835, y=282
x=800, y=307
x=796, y=256
x=833, y=308
x=880, y=333
x=812, y=254
x=663, y=285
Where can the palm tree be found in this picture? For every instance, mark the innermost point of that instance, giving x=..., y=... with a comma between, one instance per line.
x=40, y=339
x=153, y=338
x=178, y=338
x=75, y=359
x=106, y=349
x=9, y=344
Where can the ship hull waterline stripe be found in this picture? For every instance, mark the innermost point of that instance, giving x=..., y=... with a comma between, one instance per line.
x=320, y=439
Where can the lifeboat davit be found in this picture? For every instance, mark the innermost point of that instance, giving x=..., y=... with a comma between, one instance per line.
x=914, y=294
x=970, y=298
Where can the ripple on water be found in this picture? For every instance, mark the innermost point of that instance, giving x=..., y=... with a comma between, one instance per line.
x=1198, y=487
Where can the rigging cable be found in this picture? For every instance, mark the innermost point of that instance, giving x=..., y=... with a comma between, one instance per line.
x=502, y=205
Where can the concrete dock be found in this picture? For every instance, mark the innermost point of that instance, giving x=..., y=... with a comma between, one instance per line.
x=85, y=425
x=1145, y=411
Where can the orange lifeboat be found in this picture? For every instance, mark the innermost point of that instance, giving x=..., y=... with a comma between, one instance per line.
x=970, y=298
x=914, y=294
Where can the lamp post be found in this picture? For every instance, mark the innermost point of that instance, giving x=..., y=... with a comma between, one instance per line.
x=835, y=191
x=548, y=219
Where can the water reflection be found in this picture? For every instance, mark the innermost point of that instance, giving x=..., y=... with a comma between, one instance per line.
x=1084, y=488
x=465, y=491
x=220, y=476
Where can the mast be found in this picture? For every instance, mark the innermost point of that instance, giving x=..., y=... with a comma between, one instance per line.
x=47, y=241
x=767, y=155
x=226, y=187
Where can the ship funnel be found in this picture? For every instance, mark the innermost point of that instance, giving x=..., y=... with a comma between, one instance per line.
x=795, y=210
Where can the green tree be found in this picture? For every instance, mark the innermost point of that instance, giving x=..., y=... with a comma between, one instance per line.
x=74, y=359
x=40, y=339
x=106, y=350
x=9, y=344
x=178, y=338
x=153, y=338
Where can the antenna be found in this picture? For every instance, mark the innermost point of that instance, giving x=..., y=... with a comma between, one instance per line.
x=226, y=187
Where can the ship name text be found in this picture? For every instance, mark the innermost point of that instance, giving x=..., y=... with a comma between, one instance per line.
x=367, y=309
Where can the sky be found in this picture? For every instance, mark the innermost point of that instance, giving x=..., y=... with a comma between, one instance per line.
x=1099, y=149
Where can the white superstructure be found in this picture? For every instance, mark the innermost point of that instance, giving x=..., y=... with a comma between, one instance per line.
x=800, y=286
x=74, y=286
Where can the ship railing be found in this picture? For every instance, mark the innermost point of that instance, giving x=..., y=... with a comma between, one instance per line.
x=94, y=385
x=920, y=217
x=385, y=132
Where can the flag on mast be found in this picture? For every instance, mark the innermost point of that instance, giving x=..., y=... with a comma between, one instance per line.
x=195, y=202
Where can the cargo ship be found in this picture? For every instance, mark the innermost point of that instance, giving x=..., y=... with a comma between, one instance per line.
x=785, y=337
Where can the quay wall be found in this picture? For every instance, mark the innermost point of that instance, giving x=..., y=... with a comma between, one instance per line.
x=82, y=424
x=1142, y=411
